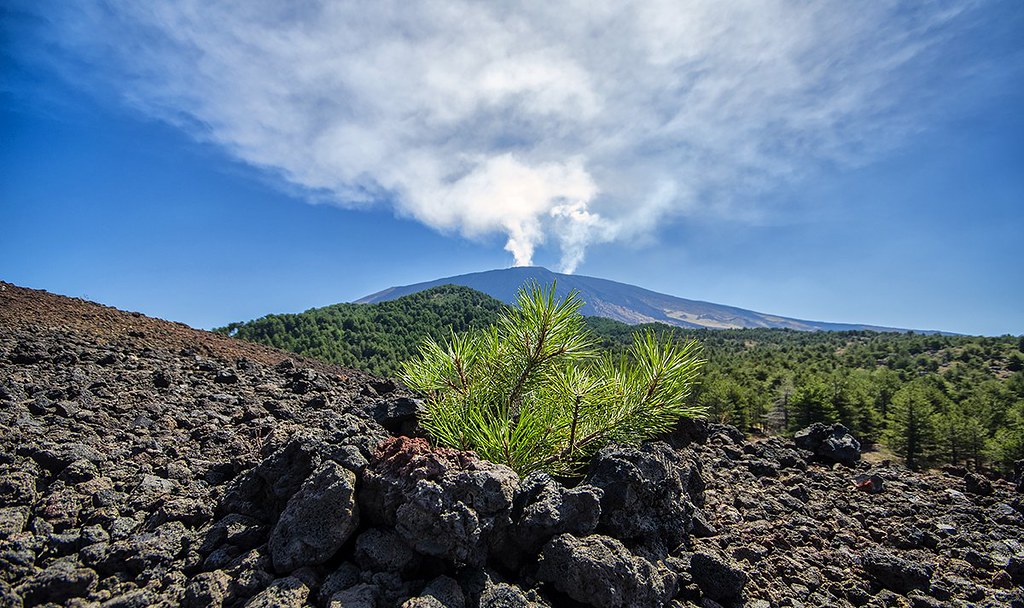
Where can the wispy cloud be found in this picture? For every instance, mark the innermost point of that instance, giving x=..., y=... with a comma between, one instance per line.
x=566, y=123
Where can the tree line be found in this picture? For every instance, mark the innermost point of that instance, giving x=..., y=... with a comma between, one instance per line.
x=373, y=337
x=932, y=399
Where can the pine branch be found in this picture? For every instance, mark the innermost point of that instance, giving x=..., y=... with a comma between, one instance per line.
x=503, y=393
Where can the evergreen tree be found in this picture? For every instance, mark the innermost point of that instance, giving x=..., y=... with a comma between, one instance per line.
x=533, y=393
x=1006, y=447
x=886, y=382
x=911, y=431
x=812, y=402
x=714, y=398
x=777, y=419
x=960, y=436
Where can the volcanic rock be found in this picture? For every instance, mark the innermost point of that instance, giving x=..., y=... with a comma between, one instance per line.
x=317, y=521
x=832, y=443
x=543, y=508
x=443, y=503
x=649, y=493
x=600, y=571
x=977, y=484
x=718, y=578
x=896, y=573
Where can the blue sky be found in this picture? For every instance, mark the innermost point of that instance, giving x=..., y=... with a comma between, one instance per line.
x=211, y=162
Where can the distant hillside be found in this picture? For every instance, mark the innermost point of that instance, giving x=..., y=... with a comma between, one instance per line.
x=373, y=338
x=620, y=301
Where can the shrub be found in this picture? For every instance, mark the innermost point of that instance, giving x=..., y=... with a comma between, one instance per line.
x=534, y=393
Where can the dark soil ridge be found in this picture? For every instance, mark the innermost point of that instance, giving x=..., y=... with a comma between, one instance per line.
x=27, y=309
x=146, y=463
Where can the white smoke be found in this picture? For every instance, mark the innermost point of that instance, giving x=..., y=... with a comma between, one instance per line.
x=570, y=123
x=502, y=194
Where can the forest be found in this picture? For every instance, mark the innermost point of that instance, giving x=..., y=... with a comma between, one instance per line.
x=930, y=399
x=373, y=337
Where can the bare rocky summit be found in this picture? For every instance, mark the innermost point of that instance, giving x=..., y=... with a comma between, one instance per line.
x=145, y=463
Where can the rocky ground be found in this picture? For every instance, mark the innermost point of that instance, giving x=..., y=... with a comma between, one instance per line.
x=146, y=463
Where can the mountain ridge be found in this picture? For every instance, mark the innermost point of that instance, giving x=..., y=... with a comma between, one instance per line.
x=624, y=302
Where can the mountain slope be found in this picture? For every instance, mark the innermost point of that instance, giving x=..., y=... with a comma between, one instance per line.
x=620, y=301
x=373, y=338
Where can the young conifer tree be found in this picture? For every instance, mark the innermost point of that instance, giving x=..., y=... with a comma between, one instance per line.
x=911, y=426
x=534, y=393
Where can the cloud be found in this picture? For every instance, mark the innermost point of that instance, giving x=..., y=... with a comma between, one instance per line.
x=569, y=123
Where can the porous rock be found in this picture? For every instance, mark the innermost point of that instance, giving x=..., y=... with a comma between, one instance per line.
x=396, y=415
x=717, y=577
x=57, y=584
x=442, y=592
x=239, y=531
x=977, y=484
x=649, y=493
x=832, y=443
x=146, y=551
x=207, y=590
x=443, y=503
x=263, y=491
x=288, y=592
x=363, y=595
x=345, y=576
x=600, y=571
x=380, y=550
x=505, y=595
x=896, y=573
x=135, y=598
x=317, y=521
x=542, y=509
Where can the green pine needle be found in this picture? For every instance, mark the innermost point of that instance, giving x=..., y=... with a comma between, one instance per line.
x=533, y=392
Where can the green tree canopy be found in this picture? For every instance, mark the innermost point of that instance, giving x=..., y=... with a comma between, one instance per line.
x=533, y=391
x=911, y=431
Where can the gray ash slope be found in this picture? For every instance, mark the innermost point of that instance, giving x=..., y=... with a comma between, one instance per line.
x=620, y=301
x=146, y=463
